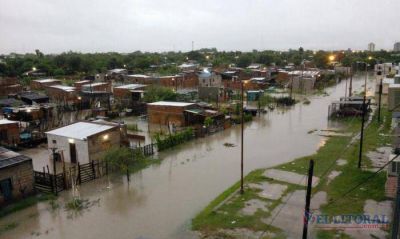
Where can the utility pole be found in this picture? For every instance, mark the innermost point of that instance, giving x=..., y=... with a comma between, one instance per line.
x=380, y=99
x=54, y=170
x=308, y=199
x=396, y=214
x=351, y=80
x=241, y=148
x=363, y=117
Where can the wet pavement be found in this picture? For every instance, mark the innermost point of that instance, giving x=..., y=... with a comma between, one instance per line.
x=160, y=201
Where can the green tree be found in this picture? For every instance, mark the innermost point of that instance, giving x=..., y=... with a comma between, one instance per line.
x=120, y=158
x=159, y=93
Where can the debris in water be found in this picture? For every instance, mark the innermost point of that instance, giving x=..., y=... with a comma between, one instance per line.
x=229, y=145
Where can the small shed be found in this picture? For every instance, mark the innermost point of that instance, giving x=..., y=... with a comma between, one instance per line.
x=9, y=132
x=84, y=142
x=166, y=113
x=16, y=175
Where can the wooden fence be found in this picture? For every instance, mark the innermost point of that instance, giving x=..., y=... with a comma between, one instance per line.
x=49, y=183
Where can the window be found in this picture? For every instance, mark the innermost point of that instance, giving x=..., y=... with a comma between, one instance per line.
x=54, y=141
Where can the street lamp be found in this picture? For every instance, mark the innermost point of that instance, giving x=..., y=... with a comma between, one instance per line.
x=331, y=58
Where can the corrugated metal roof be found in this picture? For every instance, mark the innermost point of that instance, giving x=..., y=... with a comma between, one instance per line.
x=80, y=130
x=170, y=103
x=10, y=158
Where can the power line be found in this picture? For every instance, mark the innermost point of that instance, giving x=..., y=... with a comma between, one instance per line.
x=363, y=182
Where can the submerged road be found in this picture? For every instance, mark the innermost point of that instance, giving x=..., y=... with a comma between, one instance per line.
x=160, y=200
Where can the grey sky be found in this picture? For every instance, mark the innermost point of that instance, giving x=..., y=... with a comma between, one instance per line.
x=55, y=26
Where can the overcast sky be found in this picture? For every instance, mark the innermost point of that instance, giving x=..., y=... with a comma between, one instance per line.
x=54, y=26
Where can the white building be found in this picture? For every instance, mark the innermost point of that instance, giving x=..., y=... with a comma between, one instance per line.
x=396, y=47
x=371, y=46
x=208, y=78
x=83, y=142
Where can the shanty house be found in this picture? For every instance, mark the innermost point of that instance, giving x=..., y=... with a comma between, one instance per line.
x=16, y=175
x=84, y=142
x=166, y=113
x=127, y=94
x=9, y=132
x=62, y=94
x=43, y=83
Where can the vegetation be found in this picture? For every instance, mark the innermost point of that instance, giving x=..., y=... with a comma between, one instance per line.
x=76, y=64
x=174, y=139
x=122, y=158
x=158, y=93
x=133, y=127
x=225, y=209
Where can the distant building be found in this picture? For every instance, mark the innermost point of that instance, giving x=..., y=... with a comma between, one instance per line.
x=30, y=98
x=97, y=87
x=43, y=83
x=16, y=175
x=62, y=94
x=396, y=47
x=8, y=86
x=9, y=132
x=127, y=94
x=371, y=46
x=209, y=78
x=84, y=142
x=168, y=113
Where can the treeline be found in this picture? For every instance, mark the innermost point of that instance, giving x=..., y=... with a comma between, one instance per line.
x=74, y=63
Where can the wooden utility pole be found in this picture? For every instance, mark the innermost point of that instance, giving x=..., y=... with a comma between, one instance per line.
x=351, y=81
x=308, y=199
x=396, y=214
x=241, y=141
x=362, y=133
x=54, y=171
x=364, y=109
x=380, y=99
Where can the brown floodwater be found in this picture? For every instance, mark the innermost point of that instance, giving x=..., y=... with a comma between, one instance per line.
x=160, y=201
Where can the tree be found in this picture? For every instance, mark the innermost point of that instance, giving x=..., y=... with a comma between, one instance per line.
x=120, y=158
x=159, y=93
x=244, y=61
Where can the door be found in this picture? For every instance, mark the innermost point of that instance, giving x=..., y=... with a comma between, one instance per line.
x=6, y=188
x=72, y=152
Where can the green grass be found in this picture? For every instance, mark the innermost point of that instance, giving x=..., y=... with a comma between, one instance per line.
x=351, y=175
x=225, y=209
x=210, y=220
x=24, y=203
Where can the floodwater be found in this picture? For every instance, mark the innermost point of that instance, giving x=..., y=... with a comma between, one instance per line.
x=160, y=201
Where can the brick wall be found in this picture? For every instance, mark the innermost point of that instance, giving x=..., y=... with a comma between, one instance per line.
x=166, y=114
x=21, y=176
x=12, y=131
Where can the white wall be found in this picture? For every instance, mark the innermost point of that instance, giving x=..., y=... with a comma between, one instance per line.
x=62, y=144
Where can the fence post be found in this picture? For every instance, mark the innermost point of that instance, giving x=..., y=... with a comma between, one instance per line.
x=93, y=171
x=79, y=173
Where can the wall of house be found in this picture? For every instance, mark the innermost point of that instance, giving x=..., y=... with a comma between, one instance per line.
x=164, y=115
x=98, y=145
x=62, y=144
x=21, y=176
x=213, y=80
x=12, y=133
x=41, y=86
x=61, y=96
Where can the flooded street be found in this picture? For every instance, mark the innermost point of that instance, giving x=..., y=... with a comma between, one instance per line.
x=160, y=200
